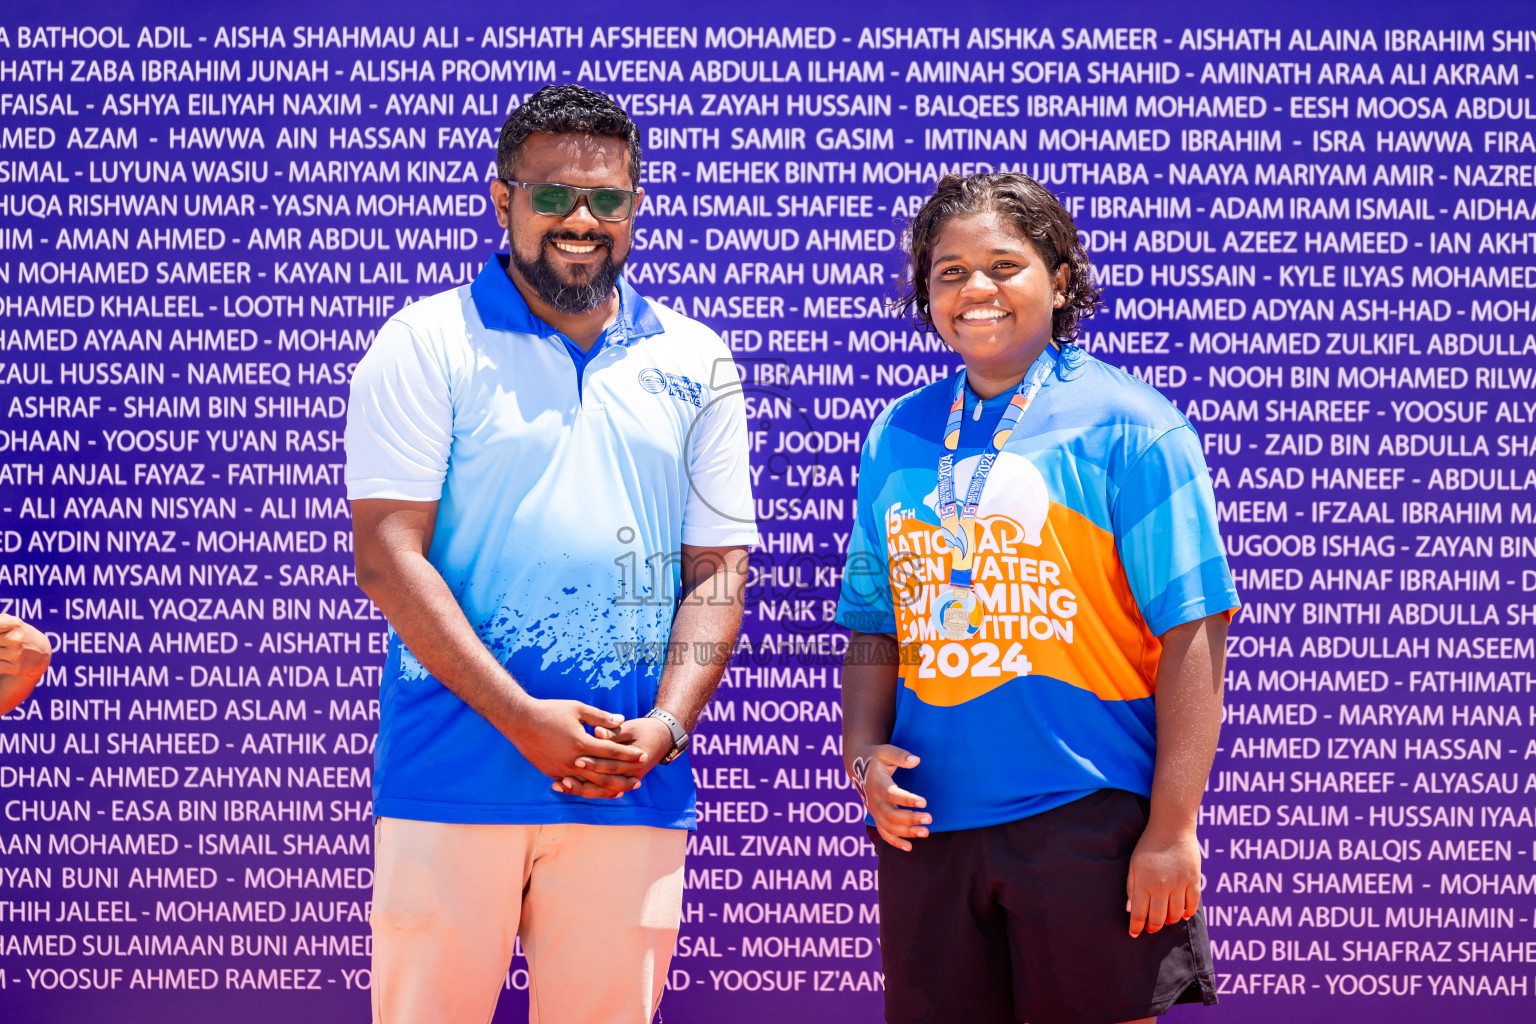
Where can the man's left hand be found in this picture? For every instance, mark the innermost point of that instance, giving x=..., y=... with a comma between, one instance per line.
x=1163, y=886
x=649, y=734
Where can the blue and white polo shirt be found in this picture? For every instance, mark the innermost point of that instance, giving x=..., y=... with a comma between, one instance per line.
x=566, y=483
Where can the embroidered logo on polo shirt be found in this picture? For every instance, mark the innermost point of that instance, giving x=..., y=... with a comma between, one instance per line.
x=674, y=384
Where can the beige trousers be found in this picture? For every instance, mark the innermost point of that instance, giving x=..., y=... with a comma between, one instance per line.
x=597, y=906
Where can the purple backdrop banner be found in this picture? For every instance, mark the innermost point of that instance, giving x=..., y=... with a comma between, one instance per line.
x=1316, y=228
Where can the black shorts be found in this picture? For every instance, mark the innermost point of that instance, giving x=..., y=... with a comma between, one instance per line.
x=1026, y=922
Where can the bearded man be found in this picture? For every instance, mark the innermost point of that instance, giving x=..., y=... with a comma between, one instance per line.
x=550, y=501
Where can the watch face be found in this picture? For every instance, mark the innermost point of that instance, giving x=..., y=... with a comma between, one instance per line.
x=677, y=749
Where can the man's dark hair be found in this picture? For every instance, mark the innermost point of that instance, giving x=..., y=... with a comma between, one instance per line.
x=1033, y=211
x=566, y=110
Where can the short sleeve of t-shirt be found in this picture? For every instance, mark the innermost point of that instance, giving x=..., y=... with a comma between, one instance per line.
x=1165, y=527
x=865, y=602
x=718, y=511
x=399, y=419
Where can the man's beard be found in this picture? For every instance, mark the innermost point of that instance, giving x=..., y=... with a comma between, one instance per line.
x=561, y=295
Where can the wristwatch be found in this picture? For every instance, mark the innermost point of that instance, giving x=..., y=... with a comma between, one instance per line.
x=679, y=734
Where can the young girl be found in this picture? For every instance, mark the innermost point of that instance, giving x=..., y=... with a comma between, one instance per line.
x=1033, y=687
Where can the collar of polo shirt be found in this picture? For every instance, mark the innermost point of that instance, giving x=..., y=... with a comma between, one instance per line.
x=502, y=307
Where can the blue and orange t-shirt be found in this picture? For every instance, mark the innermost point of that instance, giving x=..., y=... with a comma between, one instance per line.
x=1095, y=535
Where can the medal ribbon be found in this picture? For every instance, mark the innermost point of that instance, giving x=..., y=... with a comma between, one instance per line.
x=959, y=521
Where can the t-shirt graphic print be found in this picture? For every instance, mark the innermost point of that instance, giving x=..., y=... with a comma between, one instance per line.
x=1095, y=533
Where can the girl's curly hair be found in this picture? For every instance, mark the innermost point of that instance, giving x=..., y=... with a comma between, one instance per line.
x=1034, y=212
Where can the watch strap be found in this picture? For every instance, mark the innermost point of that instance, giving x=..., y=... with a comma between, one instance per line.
x=679, y=734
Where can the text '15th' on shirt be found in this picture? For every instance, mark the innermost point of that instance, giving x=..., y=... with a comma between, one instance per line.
x=1095, y=535
x=567, y=482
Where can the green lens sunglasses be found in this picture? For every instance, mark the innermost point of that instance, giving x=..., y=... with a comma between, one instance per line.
x=551, y=199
